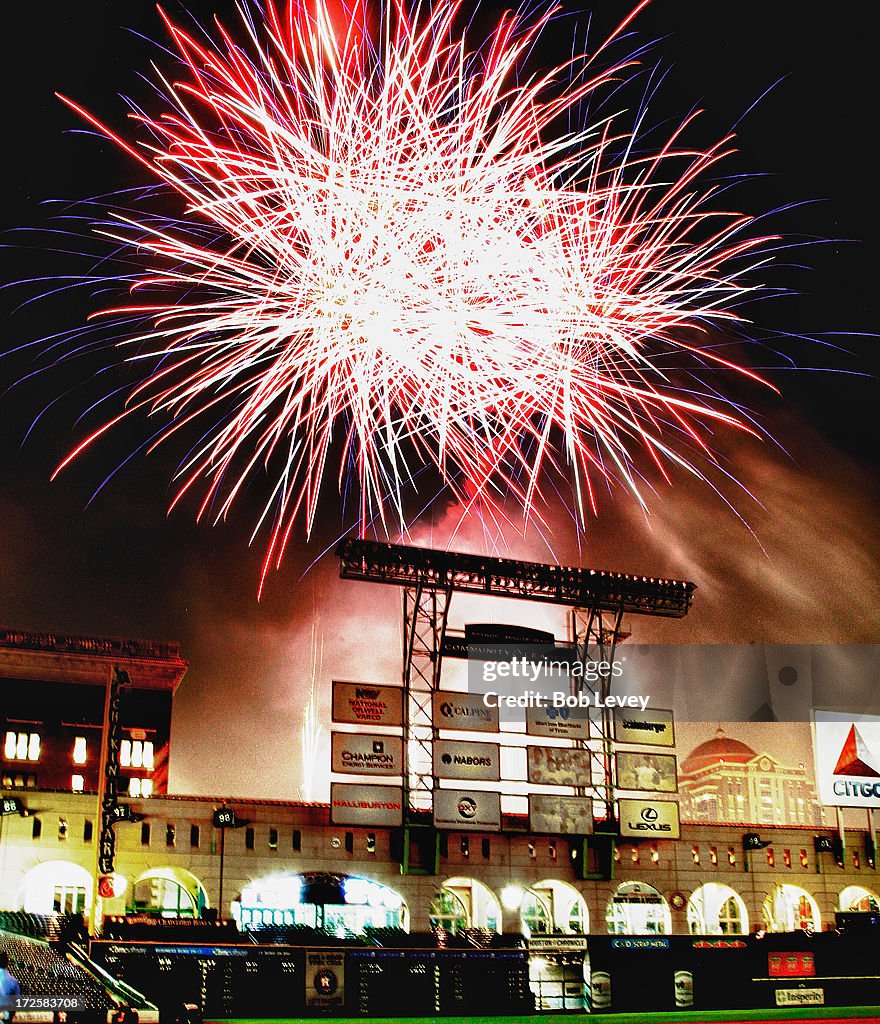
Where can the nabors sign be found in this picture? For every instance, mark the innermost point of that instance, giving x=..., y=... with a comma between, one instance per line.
x=456, y=759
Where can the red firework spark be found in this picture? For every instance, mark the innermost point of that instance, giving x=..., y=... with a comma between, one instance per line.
x=416, y=262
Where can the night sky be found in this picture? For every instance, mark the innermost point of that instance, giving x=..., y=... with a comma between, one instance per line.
x=119, y=566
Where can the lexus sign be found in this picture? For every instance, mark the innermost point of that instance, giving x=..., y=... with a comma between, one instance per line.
x=847, y=749
x=649, y=819
x=456, y=759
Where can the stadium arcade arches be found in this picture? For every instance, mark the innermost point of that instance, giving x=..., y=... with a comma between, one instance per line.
x=856, y=898
x=716, y=909
x=168, y=892
x=551, y=906
x=344, y=905
x=637, y=908
x=56, y=885
x=789, y=908
x=462, y=903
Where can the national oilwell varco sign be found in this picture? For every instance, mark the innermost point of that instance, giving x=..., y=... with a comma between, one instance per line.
x=847, y=750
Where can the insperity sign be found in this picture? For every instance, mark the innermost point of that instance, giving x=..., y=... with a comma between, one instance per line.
x=847, y=755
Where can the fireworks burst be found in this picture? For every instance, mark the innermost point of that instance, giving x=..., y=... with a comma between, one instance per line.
x=391, y=258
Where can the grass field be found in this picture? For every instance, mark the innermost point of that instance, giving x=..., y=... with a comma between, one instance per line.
x=815, y=1015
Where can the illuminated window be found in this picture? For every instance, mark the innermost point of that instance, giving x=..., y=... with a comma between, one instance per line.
x=22, y=746
x=713, y=854
x=148, y=755
x=136, y=754
x=786, y=858
x=273, y=838
x=77, y=783
x=134, y=787
x=79, y=750
x=731, y=855
x=655, y=855
x=695, y=854
x=771, y=857
x=125, y=753
x=146, y=787
x=804, y=860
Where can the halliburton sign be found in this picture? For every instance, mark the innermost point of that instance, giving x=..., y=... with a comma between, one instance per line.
x=365, y=805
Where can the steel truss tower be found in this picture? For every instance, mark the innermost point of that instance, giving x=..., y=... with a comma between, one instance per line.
x=598, y=599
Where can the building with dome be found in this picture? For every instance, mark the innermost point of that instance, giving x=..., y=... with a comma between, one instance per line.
x=725, y=781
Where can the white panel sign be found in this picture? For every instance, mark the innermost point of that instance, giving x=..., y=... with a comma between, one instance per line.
x=562, y=723
x=465, y=711
x=367, y=704
x=467, y=811
x=847, y=752
x=558, y=766
x=353, y=804
x=457, y=759
x=561, y=815
x=649, y=819
x=652, y=727
x=647, y=773
x=356, y=753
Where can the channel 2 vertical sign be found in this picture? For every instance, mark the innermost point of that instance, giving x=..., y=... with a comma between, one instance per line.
x=110, y=802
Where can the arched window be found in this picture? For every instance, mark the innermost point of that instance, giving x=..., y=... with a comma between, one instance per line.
x=789, y=908
x=716, y=909
x=638, y=909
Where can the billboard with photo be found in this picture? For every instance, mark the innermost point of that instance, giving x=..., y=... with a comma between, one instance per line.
x=467, y=810
x=649, y=819
x=367, y=704
x=464, y=711
x=459, y=759
x=355, y=804
x=651, y=727
x=647, y=773
x=558, y=766
x=357, y=753
x=560, y=815
x=847, y=757
x=558, y=723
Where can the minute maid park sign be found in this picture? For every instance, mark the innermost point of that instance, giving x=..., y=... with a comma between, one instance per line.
x=847, y=749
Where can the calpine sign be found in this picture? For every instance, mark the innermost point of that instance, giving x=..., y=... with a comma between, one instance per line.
x=847, y=754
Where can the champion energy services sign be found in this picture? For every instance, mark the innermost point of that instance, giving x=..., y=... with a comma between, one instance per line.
x=365, y=805
x=456, y=759
x=365, y=754
x=847, y=752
